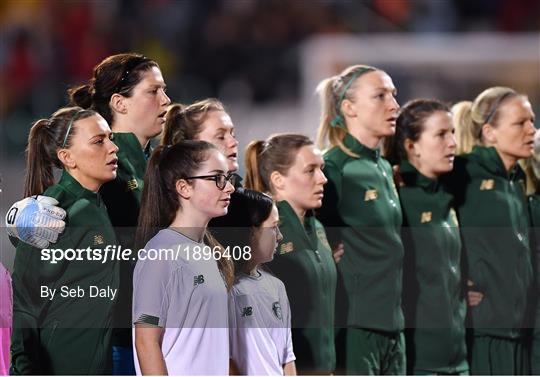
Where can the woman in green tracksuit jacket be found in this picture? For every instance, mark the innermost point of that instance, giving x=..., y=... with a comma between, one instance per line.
x=63, y=309
x=488, y=186
x=361, y=210
x=289, y=167
x=128, y=90
x=424, y=148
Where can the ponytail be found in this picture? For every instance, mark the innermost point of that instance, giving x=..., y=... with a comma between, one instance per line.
x=328, y=110
x=254, y=180
x=185, y=122
x=40, y=159
x=172, y=131
x=277, y=153
x=156, y=203
x=470, y=117
x=332, y=129
x=332, y=91
x=81, y=96
x=225, y=265
x=46, y=137
x=464, y=128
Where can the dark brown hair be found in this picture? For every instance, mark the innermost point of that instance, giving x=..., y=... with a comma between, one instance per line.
x=250, y=210
x=183, y=122
x=46, y=137
x=410, y=125
x=116, y=74
x=160, y=202
x=277, y=153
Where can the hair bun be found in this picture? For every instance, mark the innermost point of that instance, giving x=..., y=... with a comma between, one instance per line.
x=81, y=96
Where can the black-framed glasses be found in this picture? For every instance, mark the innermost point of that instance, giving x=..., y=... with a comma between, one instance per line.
x=220, y=179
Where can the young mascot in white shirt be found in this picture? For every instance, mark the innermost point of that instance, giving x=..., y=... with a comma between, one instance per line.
x=180, y=298
x=259, y=311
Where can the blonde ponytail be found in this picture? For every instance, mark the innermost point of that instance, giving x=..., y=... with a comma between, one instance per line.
x=332, y=91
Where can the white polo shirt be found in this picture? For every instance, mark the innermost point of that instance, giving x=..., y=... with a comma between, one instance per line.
x=260, y=325
x=187, y=298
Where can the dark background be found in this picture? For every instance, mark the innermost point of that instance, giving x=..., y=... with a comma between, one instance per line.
x=261, y=58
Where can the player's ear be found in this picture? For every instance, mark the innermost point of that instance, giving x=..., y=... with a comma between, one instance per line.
x=277, y=181
x=66, y=158
x=184, y=189
x=489, y=134
x=118, y=104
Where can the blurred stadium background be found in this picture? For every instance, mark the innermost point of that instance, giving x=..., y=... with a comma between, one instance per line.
x=262, y=58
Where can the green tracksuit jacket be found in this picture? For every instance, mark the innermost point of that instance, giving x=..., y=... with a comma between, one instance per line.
x=361, y=209
x=122, y=195
x=305, y=265
x=493, y=215
x=65, y=334
x=433, y=291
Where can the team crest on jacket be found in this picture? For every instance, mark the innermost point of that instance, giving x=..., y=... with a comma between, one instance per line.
x=370, y=195
x=132, y=184
x=426, y=217
x=285, y=248
x=98, y=239
x=276, y=308
x=487, y=184
x=321, y=235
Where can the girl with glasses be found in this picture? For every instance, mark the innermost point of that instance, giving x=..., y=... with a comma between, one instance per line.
x=180, y=301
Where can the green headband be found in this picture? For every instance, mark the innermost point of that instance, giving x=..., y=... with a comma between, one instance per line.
x=338, y=120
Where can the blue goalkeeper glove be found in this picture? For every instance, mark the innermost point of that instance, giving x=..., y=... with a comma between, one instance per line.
x=36, y=220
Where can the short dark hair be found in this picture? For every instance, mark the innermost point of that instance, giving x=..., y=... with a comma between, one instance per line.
x=247, y=211
x=410, y=125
